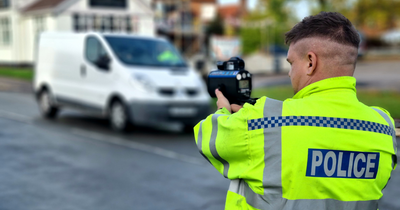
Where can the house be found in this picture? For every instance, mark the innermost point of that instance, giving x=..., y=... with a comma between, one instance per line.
x=232, y=15
x=184, y=22
x=22, y=21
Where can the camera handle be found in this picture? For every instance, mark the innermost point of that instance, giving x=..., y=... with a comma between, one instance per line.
x=251, y=101
x=221, y=87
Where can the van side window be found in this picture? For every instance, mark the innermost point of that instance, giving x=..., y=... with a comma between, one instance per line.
x=94, y=49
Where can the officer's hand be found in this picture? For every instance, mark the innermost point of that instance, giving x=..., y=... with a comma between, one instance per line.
x=222, y=101
x=235, y=107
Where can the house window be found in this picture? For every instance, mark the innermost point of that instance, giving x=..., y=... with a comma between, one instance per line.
x=4, y=3
x=97, y=23
x=5, y=31
x=76, y=22
x=84, y=23
x=116, y=25
x=80, y=22
x=89, y=22
x=128, y=26
x=105, y=23
x=112, y=23
x=135, y=24
x=108, y=3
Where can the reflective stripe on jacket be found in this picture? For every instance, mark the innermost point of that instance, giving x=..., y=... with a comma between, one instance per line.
x=321, y=149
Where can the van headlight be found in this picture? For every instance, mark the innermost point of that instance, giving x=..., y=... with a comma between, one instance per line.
x=142, y=82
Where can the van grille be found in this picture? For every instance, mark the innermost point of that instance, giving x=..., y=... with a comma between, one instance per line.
x=191, y=92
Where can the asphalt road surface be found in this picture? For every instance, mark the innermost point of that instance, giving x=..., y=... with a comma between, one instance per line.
x=77, y=162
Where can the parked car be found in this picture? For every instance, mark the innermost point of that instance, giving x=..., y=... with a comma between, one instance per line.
x=129, y=79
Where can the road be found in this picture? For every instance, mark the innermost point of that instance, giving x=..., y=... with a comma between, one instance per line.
x=76, y=162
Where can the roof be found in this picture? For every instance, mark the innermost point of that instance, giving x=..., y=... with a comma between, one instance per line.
x=43, y=4
x=229, y=11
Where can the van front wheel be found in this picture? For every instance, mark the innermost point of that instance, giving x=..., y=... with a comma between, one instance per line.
x=45, y=105
x=119, y=119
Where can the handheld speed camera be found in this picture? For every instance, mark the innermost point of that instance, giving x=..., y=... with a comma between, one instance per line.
x=232, y=80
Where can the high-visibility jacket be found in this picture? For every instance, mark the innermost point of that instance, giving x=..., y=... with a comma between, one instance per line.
x=321, y=149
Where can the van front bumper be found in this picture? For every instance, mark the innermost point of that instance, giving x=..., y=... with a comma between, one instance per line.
x=152, y=113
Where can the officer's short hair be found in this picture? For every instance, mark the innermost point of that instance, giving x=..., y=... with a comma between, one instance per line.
x=330, y=25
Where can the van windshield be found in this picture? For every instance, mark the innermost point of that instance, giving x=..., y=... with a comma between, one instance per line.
x=145, y=52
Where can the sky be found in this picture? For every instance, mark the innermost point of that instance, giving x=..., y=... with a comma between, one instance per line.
x=301, y=12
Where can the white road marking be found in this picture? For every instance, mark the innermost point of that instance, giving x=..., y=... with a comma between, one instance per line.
x=15, y=116
x=139, y=146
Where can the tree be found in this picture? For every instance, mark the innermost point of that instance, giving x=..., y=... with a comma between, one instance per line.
x=266, y=25
x=344, y=7
x=381, y=15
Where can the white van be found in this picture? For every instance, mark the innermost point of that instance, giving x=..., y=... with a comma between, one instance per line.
x=130, y=79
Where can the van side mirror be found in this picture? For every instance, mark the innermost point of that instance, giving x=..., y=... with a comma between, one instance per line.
x=103, y=62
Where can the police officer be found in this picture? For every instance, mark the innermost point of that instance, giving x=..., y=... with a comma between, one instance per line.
x=321, y=149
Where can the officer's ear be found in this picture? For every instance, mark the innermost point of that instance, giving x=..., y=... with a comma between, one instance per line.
x=312, y=63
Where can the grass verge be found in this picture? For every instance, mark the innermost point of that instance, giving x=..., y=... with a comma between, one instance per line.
x=17, y=73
